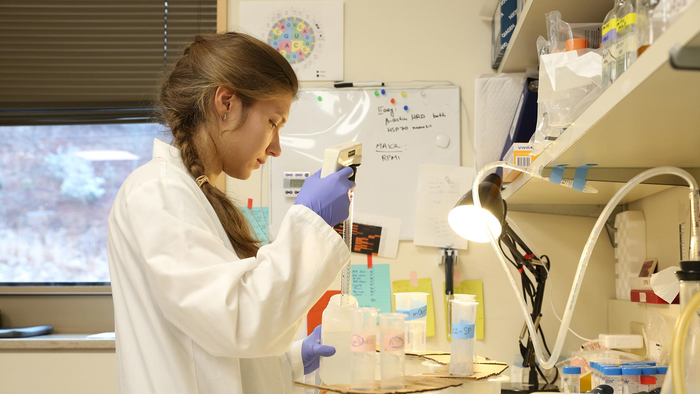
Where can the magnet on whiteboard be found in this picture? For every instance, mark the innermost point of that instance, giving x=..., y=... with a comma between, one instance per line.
x=442, y=141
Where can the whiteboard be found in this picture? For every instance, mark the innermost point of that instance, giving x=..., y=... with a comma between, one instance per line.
x=396, y=139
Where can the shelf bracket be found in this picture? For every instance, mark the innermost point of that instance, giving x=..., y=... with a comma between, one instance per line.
x=685, y=58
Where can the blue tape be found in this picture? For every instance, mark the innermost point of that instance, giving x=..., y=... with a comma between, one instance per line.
x=415, y=313
x=463, y=331
x=580, y=177
x=557, y=173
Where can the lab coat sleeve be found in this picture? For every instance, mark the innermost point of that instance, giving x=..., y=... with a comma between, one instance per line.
x=232, y=308
x=293, y=357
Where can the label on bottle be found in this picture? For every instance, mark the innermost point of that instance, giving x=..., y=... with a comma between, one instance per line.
x=610, y=30
x=415, y=313
x=625, y=23
x=393, y=341
x=463, y=331
x=366, y=343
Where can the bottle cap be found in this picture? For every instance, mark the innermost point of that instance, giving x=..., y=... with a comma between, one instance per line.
x=661, y=370
x=631, y=371
x=613, y=371
x=576, y=43
x=572, y=370
x=649, y=371
x=690, y=270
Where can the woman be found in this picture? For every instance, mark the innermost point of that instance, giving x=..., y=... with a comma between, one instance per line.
x=199, y=307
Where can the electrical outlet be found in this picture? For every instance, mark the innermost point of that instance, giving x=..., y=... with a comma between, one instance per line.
x=637, y=328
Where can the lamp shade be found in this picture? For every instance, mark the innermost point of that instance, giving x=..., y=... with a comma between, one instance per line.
x=467, y=220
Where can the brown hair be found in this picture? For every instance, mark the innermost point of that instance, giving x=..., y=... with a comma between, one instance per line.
x=253, y=71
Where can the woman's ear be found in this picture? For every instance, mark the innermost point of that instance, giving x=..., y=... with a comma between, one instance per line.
x=227, y=105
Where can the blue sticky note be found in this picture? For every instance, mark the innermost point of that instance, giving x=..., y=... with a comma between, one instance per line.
x=259, y=222
x=372, y=286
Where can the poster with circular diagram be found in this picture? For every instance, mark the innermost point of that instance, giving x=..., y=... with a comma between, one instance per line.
x=309, y=34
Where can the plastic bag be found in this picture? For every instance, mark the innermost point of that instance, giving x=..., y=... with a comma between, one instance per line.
x=570, y=77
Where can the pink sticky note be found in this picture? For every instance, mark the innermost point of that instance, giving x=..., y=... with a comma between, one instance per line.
x=457, y=278
x=414, y=279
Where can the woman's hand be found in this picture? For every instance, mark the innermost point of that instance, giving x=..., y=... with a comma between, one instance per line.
x=312, y=351
x=328, y=197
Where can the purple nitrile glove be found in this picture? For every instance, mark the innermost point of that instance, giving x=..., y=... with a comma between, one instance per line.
x=312, y=351
x=328, y=196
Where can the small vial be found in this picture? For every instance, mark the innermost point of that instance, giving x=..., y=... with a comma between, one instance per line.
x=415, y=306
x=632, y=382
x=571, y=380
x=613, y=378
x=648, y=378
x=392, y=331
x=660, y=376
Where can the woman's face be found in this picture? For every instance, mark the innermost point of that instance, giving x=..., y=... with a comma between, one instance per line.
x=242, y=150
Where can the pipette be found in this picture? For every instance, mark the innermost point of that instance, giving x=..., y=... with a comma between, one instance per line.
x=348, y=154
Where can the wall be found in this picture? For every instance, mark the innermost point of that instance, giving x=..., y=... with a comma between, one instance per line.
x=663, y=212
x=58, y=372
x=446, y=40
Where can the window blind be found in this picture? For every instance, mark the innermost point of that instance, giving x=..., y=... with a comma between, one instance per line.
x=91, y=61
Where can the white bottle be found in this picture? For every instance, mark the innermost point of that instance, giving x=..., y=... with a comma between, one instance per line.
x=335, y=332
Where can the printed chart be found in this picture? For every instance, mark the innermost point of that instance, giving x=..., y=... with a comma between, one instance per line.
x=308, y=34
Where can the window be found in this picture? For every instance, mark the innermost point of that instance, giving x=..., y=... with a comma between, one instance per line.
x=78, y=79
x=57, y=185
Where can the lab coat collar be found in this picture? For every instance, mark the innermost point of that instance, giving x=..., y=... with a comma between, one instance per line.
x=168, y=152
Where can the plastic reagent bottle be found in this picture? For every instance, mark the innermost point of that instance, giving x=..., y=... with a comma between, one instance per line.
x=626, y=44
x=660, y=376
x=648, y=378
x=336, y=322
x=632, y=380
x=613, y=378
x=608, y=45
x=571, y=380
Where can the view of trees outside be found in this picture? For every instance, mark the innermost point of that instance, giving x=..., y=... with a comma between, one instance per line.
x=57, y=186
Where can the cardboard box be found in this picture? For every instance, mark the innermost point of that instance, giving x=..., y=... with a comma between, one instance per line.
x=649, y=297
x=519, y=155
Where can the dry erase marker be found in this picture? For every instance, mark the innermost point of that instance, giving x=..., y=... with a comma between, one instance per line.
x=357, y=84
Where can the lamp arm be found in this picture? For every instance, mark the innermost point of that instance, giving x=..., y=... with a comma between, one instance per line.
x=588, y=248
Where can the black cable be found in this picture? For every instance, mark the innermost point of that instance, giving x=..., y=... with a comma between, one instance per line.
x=500, y=245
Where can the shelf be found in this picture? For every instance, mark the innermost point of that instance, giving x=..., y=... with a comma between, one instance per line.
x=522, y=49
x=649, y=117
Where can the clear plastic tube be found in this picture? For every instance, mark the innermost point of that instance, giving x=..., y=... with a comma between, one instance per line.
x=585, y=256
x=363, y=348
x=392, y=331
x=463, y=336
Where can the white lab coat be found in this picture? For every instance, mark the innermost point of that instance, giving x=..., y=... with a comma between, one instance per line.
x=191, y=317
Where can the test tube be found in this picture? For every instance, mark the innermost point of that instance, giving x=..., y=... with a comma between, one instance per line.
x=392, y=330
x=415, y=306
x=363, y=348
x=463, y=331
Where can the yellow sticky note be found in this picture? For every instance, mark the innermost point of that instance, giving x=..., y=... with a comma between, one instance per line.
x=425, y=285
x=475, y=287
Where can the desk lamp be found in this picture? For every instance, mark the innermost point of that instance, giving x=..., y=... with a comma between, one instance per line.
x=459, y=221
x=465, y=220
